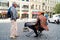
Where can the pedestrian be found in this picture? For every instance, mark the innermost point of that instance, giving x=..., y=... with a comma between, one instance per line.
x=46, y=15
x=40, y=24
x=14, y=16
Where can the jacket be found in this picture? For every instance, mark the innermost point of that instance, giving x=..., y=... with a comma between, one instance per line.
x=43, y=21
x=14, y=13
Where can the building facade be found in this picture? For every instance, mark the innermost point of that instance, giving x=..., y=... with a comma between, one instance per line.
x=4, y=5
x=30, y=8
x=24, y=9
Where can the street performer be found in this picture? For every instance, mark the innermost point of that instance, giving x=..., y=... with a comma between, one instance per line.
x=40, y=24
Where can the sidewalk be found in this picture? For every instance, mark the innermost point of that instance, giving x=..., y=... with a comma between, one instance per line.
x=18, y=20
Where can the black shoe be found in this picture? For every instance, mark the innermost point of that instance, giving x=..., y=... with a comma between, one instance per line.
x=36, y=36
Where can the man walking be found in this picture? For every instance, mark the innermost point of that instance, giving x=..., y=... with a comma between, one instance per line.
x=14, y=17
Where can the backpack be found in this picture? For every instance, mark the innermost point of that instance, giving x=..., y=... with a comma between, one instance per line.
x=9, y=13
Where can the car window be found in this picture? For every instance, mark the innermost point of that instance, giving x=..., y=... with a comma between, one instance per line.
x=59, y=16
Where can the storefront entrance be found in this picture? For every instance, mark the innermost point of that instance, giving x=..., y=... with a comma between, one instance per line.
x=25, y=16
x=34, y=15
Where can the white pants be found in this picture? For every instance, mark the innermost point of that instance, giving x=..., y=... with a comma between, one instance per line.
x=13, y=28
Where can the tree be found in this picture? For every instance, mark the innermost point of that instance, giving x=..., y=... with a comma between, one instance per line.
x=57, y=8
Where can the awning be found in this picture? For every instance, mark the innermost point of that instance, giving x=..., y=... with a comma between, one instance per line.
x=35, y=12
x=25, y=13
x=3, y=12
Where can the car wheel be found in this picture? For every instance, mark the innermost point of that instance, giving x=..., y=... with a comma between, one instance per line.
x=49, y=21
x=55, y=21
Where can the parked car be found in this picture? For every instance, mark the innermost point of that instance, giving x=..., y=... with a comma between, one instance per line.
x=55, y=18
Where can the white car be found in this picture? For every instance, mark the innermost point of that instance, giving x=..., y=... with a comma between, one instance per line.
x=55, y=18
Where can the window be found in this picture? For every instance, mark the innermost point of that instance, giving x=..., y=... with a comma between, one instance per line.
x=25, y=15
x=18, y=6
x=45, y=7
x=42, y=6
x=27, y=0
x=22, y=0
x=32, y=6
x=0, y=3
x=43, y=3
x=36, y=6
x=39, y=6
x=59, y=16
x=4, y=4
x=34, y=15
x=45, y=0
x=25, y=6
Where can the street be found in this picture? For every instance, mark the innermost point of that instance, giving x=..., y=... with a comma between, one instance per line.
x=52, y=34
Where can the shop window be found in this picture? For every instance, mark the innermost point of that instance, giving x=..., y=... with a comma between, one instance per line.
x=25, y=10
x=34, y=15
x=25, y=15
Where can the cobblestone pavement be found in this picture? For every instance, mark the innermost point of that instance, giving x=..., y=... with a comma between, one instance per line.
x=52, y=34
